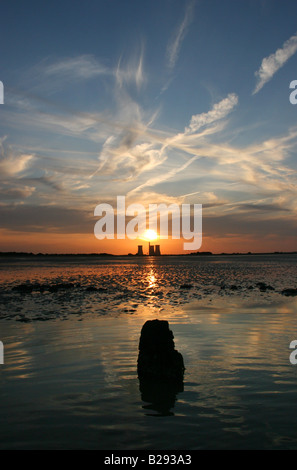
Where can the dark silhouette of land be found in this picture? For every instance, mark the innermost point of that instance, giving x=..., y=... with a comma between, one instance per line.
x=22, y=254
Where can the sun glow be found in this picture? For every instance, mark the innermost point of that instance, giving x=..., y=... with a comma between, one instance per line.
x=149, y=235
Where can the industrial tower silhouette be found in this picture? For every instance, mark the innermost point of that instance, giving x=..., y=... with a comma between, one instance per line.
x=154, y=250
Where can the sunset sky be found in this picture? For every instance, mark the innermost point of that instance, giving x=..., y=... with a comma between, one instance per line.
x=159, y=101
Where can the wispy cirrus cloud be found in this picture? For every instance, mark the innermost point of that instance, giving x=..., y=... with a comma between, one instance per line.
x=165, y=176
x=87, y=67
x=176, y=41
x=80, y=67
x=271, y=64
x=183, y=142
x=130, y=72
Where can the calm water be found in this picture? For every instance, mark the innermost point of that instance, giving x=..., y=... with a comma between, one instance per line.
x=71, y=343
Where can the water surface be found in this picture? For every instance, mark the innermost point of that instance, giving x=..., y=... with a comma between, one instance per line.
x=70, y=381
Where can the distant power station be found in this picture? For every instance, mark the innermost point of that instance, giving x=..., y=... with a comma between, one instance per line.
x=154, y=250
x=157, y=250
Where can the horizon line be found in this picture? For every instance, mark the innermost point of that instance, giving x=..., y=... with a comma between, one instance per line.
x=197, y=253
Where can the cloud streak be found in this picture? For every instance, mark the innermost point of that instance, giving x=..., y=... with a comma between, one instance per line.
x=81, y=67
x=219, y=111
x=183, y=141
x=160, y=179
x=271, y=64
x=87, y=67
x=176, y=42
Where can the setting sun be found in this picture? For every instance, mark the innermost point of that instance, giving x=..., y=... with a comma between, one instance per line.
x=149, y=235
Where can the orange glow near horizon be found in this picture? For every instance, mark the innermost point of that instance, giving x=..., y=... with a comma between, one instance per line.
x=52, y=242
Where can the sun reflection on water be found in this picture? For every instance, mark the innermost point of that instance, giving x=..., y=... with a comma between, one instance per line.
x=152, y=280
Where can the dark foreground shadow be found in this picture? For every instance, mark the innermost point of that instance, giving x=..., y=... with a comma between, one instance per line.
x=160, y=368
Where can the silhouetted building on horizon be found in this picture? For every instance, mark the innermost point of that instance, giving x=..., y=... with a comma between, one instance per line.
x=154, y=250
x=151, y=250
x=140, y=251
x=157, y=250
